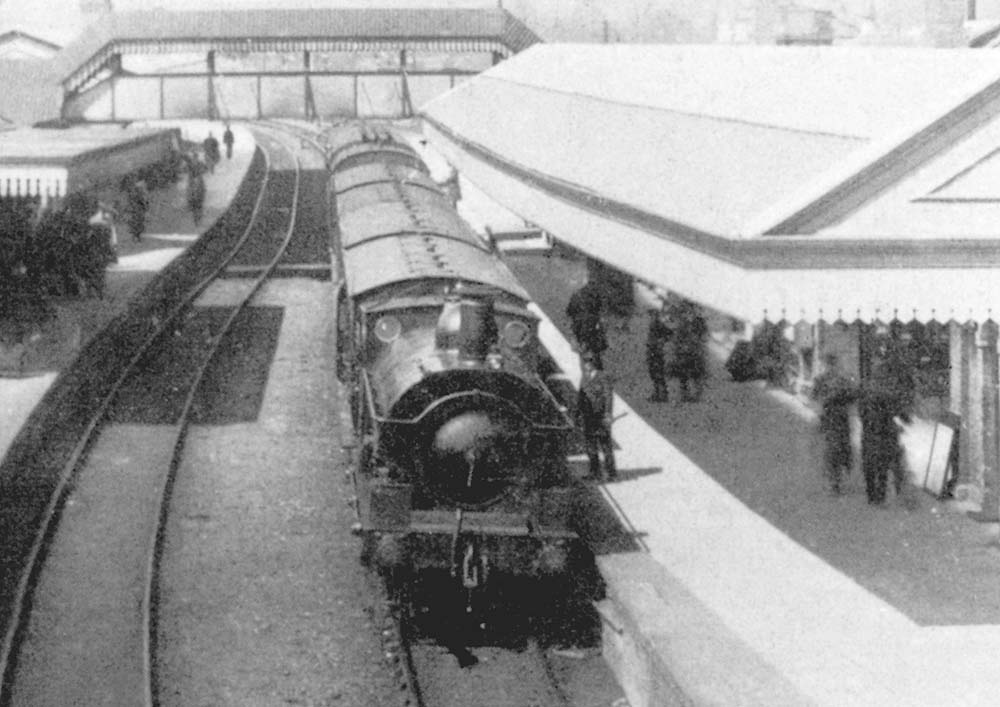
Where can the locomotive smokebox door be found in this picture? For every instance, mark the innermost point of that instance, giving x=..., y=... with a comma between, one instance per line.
x=390, y=505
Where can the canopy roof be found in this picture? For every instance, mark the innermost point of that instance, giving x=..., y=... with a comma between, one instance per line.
x=786, y=182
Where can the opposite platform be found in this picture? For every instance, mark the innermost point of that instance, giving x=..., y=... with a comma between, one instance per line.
x=739, y=613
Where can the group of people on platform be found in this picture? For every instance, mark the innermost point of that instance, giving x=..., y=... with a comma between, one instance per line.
x=675, y=349
x=197, y=165
x=63, y=247
x=678, y=324
x=884, y=400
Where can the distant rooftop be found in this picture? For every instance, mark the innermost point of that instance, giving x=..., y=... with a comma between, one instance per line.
x=65, y=146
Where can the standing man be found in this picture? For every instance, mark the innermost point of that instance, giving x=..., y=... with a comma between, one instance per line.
x=211, y=147
x=196, y=194
x=835, y=393
x=886, y=397
x=136, y=205
x=228, y=139
x=593, y=410
x=688, y=365
x=656, y=338
x=584, y=312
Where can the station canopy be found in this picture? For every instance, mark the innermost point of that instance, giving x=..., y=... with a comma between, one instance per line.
x=779, y=183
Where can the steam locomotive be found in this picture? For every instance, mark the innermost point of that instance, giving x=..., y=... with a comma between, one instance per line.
x=461, y=463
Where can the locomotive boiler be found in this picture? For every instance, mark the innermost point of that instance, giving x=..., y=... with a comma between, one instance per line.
x=461, y=463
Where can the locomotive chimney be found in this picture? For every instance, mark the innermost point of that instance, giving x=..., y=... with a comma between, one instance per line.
x=466, y=327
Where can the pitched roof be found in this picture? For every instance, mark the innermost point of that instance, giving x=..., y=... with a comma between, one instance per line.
x=763, y=181
x=30, y=92
x=17, y=35
x=724, y=139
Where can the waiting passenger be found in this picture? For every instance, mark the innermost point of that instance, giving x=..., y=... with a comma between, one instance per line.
x=835, y=393
x=658, y=335
x=584, y=312
x=228, y=140
x=688, y=364
x=594, y=413
x=211, y=147
x=196, y=195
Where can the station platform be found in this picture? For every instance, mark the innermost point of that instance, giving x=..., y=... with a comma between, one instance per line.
x=754, y=585
x=170, y=229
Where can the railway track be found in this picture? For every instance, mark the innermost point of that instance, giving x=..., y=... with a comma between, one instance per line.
x=108, y=598
x=31, y=655
x=541, y=657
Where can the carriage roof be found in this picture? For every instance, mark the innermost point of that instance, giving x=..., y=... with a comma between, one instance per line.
x=386, y=219
x=366, y=152
x=379, y=262
x=365, y=175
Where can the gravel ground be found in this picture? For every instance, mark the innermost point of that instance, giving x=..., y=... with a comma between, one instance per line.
x=935, y=565
x=265, y=602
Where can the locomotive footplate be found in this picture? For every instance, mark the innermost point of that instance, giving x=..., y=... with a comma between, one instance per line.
x=484, y=523
x=505, y=542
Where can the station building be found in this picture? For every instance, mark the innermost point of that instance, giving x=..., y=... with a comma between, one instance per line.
x=841, y=192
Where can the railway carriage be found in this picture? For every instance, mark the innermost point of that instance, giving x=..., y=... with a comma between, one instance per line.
x=462, y=447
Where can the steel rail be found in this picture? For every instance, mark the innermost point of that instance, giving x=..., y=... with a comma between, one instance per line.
x=49, y=520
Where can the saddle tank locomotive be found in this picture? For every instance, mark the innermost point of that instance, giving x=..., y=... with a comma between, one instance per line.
x=461, y=465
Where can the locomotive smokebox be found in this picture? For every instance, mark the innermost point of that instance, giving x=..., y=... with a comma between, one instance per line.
x=472, y=455
x=470, y=436
x=466, y=327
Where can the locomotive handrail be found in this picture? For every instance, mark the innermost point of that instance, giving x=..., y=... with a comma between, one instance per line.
x=389, y=304
x=438, y=402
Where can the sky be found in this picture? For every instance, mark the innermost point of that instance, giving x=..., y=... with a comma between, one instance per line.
x=554, y=20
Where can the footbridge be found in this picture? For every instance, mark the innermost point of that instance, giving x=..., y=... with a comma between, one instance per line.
x=254, y=64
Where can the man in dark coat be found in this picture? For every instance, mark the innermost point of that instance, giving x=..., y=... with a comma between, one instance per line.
x=658, y=335
x=136, y=205
x=835, y=393
x=228, y=140
x=885, y=397
x=584, y=312
x=594, y=414
x=688, y=364
x=196, y=195
x=211, y=148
